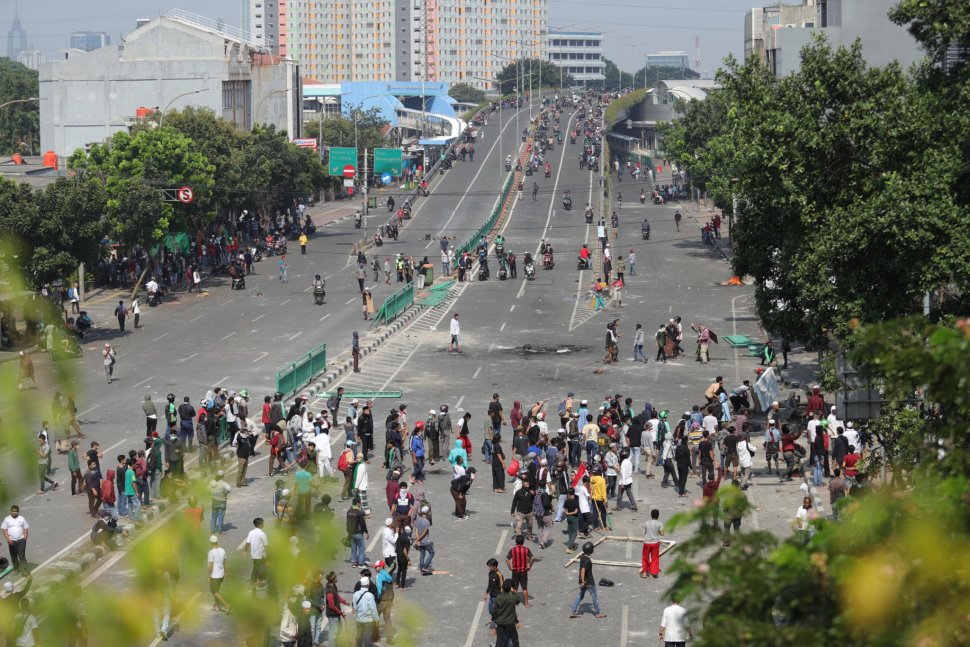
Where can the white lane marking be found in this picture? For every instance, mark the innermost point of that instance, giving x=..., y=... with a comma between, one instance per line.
x=185, y=359
x=285, y=302
x=221, y=381
x=261, y=356
x=325, y=316
x=502, y=326
x=162, y=336
x=625, y=622
x=225, y=337
x=406, y=360
x=477, y=371
x=491, y=347
x=296, y=335
x=259, y=317
x=458, y=404
x=196, y=319
x=473, y=628
x=521, y=289
x=349, y=302
x=88, y=410
x=135, y=386
x=512, y=308
x=175, y=619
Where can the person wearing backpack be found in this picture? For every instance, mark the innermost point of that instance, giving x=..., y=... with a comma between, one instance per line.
x=345, y=465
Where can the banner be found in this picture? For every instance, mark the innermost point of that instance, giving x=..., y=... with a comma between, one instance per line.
x=341, y=157
x=387, y=160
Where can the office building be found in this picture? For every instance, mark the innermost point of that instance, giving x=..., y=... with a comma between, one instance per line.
x=668, y=59
x=89, y=96
x=776, y=35
x=88, y=41
x=261, y=20
x=579, y=53
x=32, y=58
x=16, y=37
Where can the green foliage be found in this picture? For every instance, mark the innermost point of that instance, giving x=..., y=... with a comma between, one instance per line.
x=19, y=122
x=277, y=172
x=846, y=186
x=541, y=72
x=466, y=93
x=613, y=111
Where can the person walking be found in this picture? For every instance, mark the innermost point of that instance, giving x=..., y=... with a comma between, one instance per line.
x=631, y=259
x=519, y=561
x=620, y=269
x=256, y=546
x=638, y=345
x=121, y=313
x=675, y=628
x=661, y=337
x=217, y=574
x=43, y=453
x=682, y=460
x=15, y=531
x=74, y=467
x=136, y=311
x=355, y=351
x=109, y=357
x=653, y=530
x=365, y=610
x=360, y=273
x=506, y=620
x=367, y=304
x=587, y=583
x=283, y=268
x=244, y=451
x=455, y=335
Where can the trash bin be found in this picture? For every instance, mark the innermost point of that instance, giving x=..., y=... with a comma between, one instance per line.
x=371, y=202
x=428, y=273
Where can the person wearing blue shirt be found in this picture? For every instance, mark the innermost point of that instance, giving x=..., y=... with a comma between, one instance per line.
x=417, y=453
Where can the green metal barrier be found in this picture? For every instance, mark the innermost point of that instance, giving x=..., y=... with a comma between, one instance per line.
x=300, y=372
x=395, y=304
x=363, y=395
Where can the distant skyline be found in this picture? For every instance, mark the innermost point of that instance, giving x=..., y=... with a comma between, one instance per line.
x=631, y=30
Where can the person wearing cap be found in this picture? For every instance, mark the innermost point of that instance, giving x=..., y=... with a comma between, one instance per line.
x=324, y=454
x=353, y=411
x=772, y=444
x=433, y=435
x=109, y=357
x=219, y=494
x=217, y=574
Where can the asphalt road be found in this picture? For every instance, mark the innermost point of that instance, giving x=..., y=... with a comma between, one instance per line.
x=239, y=339
x=529, y=341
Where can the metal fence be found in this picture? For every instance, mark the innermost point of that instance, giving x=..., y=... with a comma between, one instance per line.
x=300, y=372
x=394, y=305
x=472, y=242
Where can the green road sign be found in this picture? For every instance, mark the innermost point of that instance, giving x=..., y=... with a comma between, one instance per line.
x=341, y=157
x=387, y=160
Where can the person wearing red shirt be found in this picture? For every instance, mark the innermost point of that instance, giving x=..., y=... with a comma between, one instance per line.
x=266, y=419
x=520, y=560
x=850, y=463
x=815, y=403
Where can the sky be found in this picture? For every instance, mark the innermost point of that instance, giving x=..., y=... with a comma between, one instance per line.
x=632, y=29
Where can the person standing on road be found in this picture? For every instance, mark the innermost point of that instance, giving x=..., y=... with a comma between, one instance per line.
x=355, y=351
x=506, y=620
x=675, y=628
x=109, y=356
x=360, y=273
x=620, y=269
x=244, y=450
x=455, y=335
x=92, y=487
x=653, y=530
x=303, y=241
x=357, y=532
x=217, y=573
x=219, y=492
x=15, y=531
x=255, y=546
x=132, y=493
x=121, y=313
x=136, y=311
x=586, y=583
x=497, y=419
x=283, y=268
x=44, y=463
x=638, y=345
x=631, y=260
x=74, y=467
x=519, y=561
x=661, y=338
x=151, y=415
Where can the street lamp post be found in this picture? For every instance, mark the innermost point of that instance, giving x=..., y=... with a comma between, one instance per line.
x=263, y=100
x=161, y=117
x=10, y=103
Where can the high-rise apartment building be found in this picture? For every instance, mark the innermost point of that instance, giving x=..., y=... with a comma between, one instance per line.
x=400, y=40
x=579, y=53
x=88, y=41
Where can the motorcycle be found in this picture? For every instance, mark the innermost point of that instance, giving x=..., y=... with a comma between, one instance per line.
x=378, y=240
x=508, y=167
x=309, y=227
x=358, y=220
x=392, y=230
x=500, y=252
x=567, y=204
x=547, y=261
x=643, y=197
x=530, y=270
x=582, y=263
x=548, y=171
x=390, y=205
x=424, y=189
x=407, y=209
x=528, y=170
x=256, y=253
x=589, y=217
x=319, y=294
x=238, y=282
x=614, y=221
x=645, y=230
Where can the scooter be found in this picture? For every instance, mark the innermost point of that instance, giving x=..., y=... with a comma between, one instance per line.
x=508, y=167
x=547, y=261
x=567, y=204
x=643, y=197
x=407, y=209
x=424, y=190
x=358, y=220
x=548, y=171
x=589, y=217
x=239, y=282
x=319, y=295
x=378, y=240
x=645, y=231
x=582, y=263
x=530, y=271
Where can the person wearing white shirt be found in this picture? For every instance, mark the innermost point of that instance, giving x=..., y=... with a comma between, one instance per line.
x=455, y=335
x=675, y=628
x=648, y=440
x=256, y=544
x=217, y=573
x=389, y=541
x=353, y=412
x=626, y=482
x=834, y=422
x=582, y=496
x=15, y=530
x=710, y=424
x=745, y=453
x=324, y=455
x=852, y=436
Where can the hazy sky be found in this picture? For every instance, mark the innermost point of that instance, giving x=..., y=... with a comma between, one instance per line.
x=632, y=29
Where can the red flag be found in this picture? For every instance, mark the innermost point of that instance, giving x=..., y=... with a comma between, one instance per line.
x=580, y=473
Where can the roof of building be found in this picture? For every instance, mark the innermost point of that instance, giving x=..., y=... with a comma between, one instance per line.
x=688, y=89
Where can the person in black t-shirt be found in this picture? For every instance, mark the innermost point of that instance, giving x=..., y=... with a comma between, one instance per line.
x=706, y=457
x=492, y=589
x=587, y=583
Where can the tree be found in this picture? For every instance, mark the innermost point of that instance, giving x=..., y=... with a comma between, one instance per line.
x=19, y=122
x=540, y=71
x=466, y=93
x=615, y=78
x=650, y=76
x=70, y=226
x=278, y=172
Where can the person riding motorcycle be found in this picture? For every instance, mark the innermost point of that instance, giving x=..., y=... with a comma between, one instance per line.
x=508, y=161
x=643, y=196
x=318, y=288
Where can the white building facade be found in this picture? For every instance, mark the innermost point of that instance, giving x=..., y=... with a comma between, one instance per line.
x=579, y=53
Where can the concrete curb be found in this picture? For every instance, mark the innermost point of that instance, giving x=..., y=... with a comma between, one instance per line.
x=86, y=557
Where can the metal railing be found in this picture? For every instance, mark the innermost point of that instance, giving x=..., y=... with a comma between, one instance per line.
x=300, y=372
x=394, y=305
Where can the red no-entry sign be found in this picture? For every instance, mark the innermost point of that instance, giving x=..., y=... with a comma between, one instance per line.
x=184, y=195
x=349, y=171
